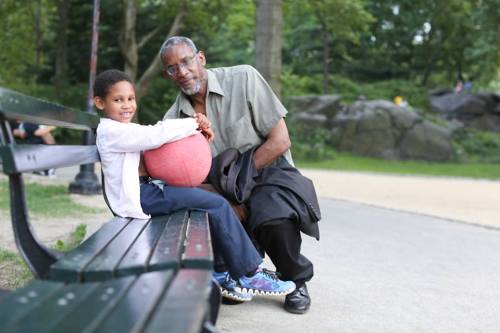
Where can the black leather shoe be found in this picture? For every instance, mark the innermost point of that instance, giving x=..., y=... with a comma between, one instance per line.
x=298, y=301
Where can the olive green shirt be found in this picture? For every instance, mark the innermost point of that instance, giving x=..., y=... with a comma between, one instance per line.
x=241, y=106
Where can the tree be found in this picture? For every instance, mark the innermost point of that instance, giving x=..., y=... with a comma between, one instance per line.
x=17, y=42
x=269, y=41
x=60, y=79
x=331, y=25
x=130, y=47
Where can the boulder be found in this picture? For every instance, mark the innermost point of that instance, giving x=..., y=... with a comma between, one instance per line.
x=313, y=110
x=382, y=129
x=480, y=110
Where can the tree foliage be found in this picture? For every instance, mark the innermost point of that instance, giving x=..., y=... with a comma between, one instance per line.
x=326, y=43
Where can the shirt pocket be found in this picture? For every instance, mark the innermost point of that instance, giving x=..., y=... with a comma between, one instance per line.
x=241, y=134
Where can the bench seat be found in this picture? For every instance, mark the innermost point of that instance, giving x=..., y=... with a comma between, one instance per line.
x=123, y=247
x=161, y=301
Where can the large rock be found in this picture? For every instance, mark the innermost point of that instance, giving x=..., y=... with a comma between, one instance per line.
x=313, y=110
x=382, y=129
x=480, y=111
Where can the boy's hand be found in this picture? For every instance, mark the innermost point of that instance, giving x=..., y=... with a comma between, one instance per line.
x=208, y=133
x=202, y=120
x=204, y=125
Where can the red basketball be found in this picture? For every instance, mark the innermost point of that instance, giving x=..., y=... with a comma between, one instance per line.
x=184, y=162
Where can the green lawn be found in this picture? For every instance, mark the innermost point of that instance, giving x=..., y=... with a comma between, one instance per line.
x=46, y=200
x=347, y=162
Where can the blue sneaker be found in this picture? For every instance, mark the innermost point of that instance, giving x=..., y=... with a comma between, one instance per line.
x=266, y=282
x=229, y=288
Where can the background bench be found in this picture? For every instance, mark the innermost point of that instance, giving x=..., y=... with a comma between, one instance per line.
x=169, y=257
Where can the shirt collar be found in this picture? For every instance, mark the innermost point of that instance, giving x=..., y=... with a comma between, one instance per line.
x=213, y=83
x=213, y=86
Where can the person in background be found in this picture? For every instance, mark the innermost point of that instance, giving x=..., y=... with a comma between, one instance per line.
x=36, y=134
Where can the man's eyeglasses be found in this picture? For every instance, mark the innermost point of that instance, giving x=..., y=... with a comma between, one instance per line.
x=186, y=62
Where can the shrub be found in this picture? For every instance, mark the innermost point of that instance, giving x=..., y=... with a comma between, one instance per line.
x=479, y=146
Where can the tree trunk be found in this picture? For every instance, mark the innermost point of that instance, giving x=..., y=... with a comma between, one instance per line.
x=155, y=67
x=326, y=60
x=268, y=44
x=128, y=42
x=38, y=33
x=60, y=79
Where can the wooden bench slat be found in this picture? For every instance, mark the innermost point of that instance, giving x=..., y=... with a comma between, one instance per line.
x=185, y=304
x=22, y=301
x=96, y=307
x=131, y=313
x=167, y=253
x=198, y=252
x=71, y=266
x=18, y=158
x=137, y=257
x=53, y=309
x=102, y=267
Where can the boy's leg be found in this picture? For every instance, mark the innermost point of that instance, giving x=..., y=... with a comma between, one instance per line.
x=229, y=238
x=228, y=235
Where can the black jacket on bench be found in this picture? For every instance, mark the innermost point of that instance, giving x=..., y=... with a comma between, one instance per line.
x=275, y=192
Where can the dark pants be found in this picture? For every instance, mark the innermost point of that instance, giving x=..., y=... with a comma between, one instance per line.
x=229, y=239
x=281, y=240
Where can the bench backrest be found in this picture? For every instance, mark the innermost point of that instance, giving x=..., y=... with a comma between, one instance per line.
x=19, y=158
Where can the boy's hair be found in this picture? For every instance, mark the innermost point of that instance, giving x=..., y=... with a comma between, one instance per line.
x=105, y=80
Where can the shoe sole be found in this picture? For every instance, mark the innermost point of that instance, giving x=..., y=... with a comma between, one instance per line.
x=234, y=297
x=296, y=311
x=259, y=292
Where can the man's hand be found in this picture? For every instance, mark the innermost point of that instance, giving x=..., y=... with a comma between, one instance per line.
x=241, y=211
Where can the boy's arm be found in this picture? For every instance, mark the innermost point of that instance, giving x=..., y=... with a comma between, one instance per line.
x=131, y=137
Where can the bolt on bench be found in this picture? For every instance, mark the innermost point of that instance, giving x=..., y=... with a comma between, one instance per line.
x=131, y=275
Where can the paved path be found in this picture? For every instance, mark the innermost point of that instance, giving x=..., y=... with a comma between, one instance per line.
x=461, y=199
x=380, y=270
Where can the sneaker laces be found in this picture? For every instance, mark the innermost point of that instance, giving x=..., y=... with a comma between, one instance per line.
x=273, y=275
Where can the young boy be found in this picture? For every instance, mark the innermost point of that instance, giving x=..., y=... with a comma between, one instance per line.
x=131, y=194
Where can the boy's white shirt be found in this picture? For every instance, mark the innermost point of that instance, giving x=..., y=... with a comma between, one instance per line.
x=119, y=146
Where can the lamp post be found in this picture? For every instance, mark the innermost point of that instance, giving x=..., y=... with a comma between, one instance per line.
x=86, y=181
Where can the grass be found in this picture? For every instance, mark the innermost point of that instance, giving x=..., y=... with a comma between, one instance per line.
x=43, y=200
x=75, y=238
x=13, y=271
x=347, y=162
x=46, y=200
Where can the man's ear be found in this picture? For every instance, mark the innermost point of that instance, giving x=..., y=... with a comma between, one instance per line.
x=99, y=103
x=202, y=58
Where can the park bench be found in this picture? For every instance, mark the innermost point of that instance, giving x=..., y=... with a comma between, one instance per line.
x=131, y=275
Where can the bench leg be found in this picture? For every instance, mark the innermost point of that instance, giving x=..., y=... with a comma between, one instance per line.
x=209, y=328
x=215, y=300
x=37, y=256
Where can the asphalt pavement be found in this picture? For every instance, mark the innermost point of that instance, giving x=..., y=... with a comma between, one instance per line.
x=383, y=270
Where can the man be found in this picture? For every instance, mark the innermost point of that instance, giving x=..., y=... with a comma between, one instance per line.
x=245, y=113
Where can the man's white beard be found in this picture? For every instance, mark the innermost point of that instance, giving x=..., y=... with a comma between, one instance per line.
x=194, y=90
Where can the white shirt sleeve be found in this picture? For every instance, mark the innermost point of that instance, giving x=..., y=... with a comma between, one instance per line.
x=131, y=137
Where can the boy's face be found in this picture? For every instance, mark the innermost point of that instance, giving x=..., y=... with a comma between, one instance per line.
x=119, y=103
